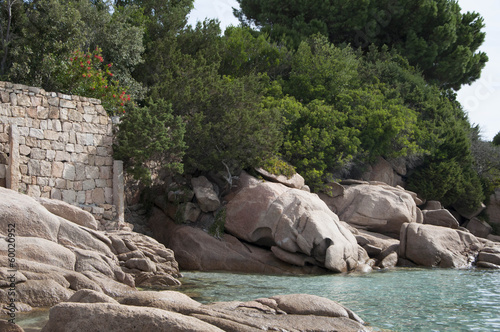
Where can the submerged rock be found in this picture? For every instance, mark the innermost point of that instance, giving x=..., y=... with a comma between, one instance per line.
x=173, y=311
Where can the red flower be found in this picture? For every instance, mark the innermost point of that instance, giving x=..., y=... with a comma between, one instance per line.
x=88, y=62
x=84, y=75
x=109, y=64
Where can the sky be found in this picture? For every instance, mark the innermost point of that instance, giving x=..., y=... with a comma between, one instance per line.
x=481, y=100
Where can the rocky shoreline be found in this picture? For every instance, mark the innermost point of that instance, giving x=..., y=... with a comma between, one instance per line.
x=59, y=256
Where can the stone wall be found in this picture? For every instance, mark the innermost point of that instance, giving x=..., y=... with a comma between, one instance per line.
x=59, y=146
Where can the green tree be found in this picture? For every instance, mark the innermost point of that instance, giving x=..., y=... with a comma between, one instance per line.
x=53, y=29
x=496, y=139
x=245, y=51
x=150, y=141
x=321, y=71
x=433, y=35
x=317, y=140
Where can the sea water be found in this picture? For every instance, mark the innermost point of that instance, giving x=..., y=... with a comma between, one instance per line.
x=396, y=299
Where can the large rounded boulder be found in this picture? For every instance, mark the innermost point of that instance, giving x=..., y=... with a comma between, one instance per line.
x=375, y=207
x=436, y=246
x=297, y=225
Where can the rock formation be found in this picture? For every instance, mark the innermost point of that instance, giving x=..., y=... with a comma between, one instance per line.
x=295, y=224
x=172, y=311
x=375, y=207
x=55, y=257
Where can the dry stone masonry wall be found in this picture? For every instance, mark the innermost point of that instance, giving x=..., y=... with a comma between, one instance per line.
x=59, y=146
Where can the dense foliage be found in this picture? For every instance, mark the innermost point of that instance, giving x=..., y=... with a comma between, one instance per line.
x=433, y=35
x=293, y=95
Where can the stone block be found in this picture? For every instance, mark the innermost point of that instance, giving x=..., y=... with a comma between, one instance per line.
x=57, y=146
x=63, y=114
x=36, y=101
x=13, y=99
x=80, y=158
x=24, y=150
x=80, y=197
x=36, y=133
x=44, y=125
x=67, y=126
x=103, y=151
x=100, y=161
x=109, y=161
x=5, y=110
x=85, y=139
x=91, y=150
x=89, y=110
x=56, y=125
x=105, y=172
x=42, y=182
x=88, y=197
x=60, y=184
x=24, y=131
x=34, y=191
x=51, y=155
x=108, y=195
x=51, y=135
x=70, y=147
x=56, y=194
x=69, y=185
x=69, y=196
x=42, y=112
x=18, y=111
x=80, y=172
x=63, y=156
x=87, y=118
x=78, y=185
x=4, y=96
x=97, y=210
x=64, y=103
x=53, y=101
x=88, y=185
x=32, y=112
x=98, y=196
x=34, y=167
x=54, y=112
x=92, y=172
x=74, y=115
x=37, y=153
x=4, y=138
x=23, y=100
x=100, y=183
x=46, y=145
x=69, y=172
x=45, y=168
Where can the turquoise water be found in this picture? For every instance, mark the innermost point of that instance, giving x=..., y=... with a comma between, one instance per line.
x=397, y=300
